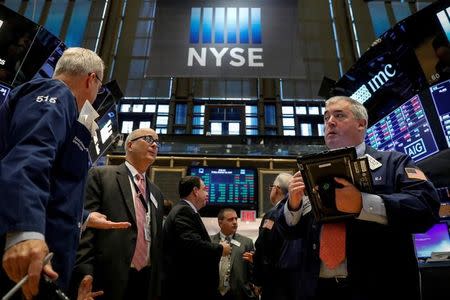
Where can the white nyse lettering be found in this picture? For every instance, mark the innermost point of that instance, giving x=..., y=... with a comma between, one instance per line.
x=235, y=53
x=201, y=59
x=218, y=55
x=252, y=56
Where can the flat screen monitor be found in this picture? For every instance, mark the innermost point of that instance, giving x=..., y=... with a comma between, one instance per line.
x=434, y=240
x=4, y=92
x=41, y=50
x=229, y=187
x=47, y=70
x=105, y=135
x=405, y=129
x=16, y=36
x=441, y=98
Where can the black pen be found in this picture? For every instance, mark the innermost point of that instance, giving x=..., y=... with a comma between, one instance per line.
x=25, y=278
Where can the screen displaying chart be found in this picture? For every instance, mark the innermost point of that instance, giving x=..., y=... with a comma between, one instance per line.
x=405, y=129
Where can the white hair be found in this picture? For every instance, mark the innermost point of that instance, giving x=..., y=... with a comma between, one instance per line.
x=79, y=61
x=282, y=180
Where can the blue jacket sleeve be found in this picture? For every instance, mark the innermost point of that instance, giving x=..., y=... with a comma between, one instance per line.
x=37, y=130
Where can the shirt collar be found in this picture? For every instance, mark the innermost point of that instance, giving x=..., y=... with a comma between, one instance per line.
x=360, y=149
x=133, y=170
x=223, y=236
x=191, y=205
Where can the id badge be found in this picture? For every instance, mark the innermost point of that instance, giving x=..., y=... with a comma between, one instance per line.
x=148, y=234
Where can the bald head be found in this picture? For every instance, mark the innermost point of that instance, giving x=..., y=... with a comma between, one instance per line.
x=141, y=148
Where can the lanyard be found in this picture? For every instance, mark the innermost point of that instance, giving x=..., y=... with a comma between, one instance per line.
x=138, y=192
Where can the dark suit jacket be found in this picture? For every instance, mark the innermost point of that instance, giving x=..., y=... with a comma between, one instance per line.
x=107, y=254
x=191, y=260
x=276, y=262
x=240, y=276
x=381, y=261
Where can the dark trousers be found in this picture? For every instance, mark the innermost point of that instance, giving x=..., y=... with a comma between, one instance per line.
x=333, y=288
x=138, y=284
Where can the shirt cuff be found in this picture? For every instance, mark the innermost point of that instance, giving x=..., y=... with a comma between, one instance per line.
x=13, y=238
x=373, y=209
x=84, y=225
x=292, y=217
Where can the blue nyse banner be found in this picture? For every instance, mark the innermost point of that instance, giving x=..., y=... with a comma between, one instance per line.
x=253, y=38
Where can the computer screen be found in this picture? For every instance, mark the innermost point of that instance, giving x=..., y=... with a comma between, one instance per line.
x=47, y=70
x=4, y=92
x=434, y=240
x=441, y=98
x=235, y=187
x=104, y=135
x=405, y=129
x=17, y=33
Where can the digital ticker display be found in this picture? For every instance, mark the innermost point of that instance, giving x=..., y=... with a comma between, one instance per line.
x=441, y=98
x=405, y=129
x=228, y=186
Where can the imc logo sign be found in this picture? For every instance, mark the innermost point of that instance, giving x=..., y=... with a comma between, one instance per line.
x=234, y=31
x=444, y=19
x=365, y=91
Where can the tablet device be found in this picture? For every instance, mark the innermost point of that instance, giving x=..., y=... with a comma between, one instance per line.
x=318, y=172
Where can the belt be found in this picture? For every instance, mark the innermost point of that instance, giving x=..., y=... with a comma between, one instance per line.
x=335, y=282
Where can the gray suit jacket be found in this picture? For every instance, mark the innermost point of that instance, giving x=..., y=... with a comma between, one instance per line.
x=107, y=254
x=240, y=269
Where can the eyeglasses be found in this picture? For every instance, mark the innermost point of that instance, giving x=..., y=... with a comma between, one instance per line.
x=271, y=186
x=101, y=88
x=149, y=139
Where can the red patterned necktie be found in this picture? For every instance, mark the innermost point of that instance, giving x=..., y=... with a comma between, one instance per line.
x=140, y=256
x=332, y=244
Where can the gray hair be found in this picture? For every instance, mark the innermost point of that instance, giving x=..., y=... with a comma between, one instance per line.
x=358, y=110
x=131, y=136
x=79, y=61
x=282, y=180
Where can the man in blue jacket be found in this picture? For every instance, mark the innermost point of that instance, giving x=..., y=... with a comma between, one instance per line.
x=44, y=161
x=374, y=257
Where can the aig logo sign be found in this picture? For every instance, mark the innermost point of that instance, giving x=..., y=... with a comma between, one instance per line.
x=416, y=149
x=225, y=27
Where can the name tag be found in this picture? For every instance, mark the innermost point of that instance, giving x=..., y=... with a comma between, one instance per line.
x=147, y=232
x=236, y=243
x=153, y=199
x=373, y=163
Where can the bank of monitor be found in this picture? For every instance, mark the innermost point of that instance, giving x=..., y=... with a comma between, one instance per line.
x=441, y=99
x=228, y=187
x=405, y=129
x=27, y=50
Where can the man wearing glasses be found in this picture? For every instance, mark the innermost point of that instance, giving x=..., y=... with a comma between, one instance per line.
x=125, y=263
x=43, y=166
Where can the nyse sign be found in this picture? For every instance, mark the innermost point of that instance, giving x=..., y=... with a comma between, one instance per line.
x=235, y=57
x=240, y=39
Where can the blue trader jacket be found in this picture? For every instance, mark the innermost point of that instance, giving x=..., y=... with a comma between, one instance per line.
x=381, y=261
x=43, y=167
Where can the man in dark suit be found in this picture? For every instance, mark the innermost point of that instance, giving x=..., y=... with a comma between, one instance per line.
x=234, y=271
x=191, y=260
x=125, y=263
x=377, y=258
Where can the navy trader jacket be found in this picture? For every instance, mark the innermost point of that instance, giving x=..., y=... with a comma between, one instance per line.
x=43, y=167
x=381, y=261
